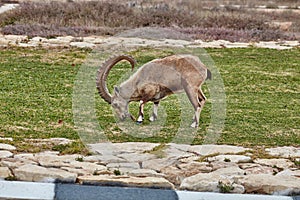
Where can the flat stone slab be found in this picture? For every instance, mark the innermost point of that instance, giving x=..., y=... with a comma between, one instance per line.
x=205, y=150
x=5, y=172
x=158, y=164
x=122, y=148
x=105, y=159
x=253, y=168
x=145, y=173
x=13, y=163
x=286, y=152
x=55, y=160
x=137, y=157
x=193, y=166
x=7, y=147
x=54, y=141
x=5, y=154
x=231, y=158
x=146, y=182
x=123, y=165
x=280, y=163
x=270, y=184
x=288, y=172
x=210, y=182
x=41, y=174
x=7, y=7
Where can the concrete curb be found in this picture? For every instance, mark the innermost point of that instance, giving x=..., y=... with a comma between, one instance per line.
x=50, y=191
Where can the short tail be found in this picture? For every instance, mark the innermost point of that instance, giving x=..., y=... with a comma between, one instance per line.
x=208, y=76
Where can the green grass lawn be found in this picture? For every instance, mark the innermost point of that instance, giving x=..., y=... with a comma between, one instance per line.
x=262, y=95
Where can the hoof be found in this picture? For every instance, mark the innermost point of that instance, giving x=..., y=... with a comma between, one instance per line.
x=138, y=123
x=152, y=119
x=194, y=125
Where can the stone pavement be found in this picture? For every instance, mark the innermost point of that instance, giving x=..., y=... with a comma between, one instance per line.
x=204, y=168
x=95, y=41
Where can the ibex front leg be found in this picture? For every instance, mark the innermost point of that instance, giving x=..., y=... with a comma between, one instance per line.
x=141, y=112
x=155, y=110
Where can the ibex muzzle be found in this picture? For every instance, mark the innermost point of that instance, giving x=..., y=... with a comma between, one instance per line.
x=155, y=80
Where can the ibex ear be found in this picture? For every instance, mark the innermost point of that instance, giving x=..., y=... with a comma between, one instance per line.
x=117, y=91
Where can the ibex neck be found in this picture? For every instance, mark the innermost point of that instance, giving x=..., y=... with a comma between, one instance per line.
x=127, y=90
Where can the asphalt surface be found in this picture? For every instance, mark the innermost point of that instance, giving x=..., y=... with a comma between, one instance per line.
x=80, y=192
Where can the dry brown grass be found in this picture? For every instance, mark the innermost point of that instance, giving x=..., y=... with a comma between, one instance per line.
x=205, y=20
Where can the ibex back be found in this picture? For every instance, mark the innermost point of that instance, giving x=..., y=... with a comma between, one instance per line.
x=155, y=80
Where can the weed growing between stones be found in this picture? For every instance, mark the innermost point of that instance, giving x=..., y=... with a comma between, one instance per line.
x=225, y=187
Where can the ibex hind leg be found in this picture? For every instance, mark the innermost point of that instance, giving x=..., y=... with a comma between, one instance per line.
x=155, y=111
x=201, y=101
x=192, y=93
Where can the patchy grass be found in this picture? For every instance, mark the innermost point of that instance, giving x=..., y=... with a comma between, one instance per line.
x=36, y=92
x=262, y=89
x=262, y=95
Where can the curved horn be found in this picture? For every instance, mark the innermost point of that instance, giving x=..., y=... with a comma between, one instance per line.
x=103, y=72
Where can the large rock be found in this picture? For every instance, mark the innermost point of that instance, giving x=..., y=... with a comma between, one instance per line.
x=5, y=172
x=122, y=148
x=209, y=149
x=50, y=141
x=173, y=150
x=103, y=159
x=286, y=152
x=221, y=164
x=212, y=182
x=280, y=163
x=6, y=154
x=231, y=158
x=61, y=41
x=145, y=173
x=123, y=165
x=79, y=172
x=28, y=156
x=271, y=45
x=289, y=172
x=269, y=184
x=48, y=160
x=159, y=163
x=137, y=157
x=90, y=168
x=147, y=182
x=16, y=39
x=82, y=45
x=175, y=174
x=8, y=7
x=41, y=174
x=195, y=167
x=7, y=147
x=253, y=168
x=3, y=42
x=13, y=163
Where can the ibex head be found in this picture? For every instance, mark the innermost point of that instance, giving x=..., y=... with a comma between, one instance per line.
x=120, y=105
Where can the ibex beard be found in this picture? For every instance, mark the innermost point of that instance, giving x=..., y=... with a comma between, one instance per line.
x=154, y=81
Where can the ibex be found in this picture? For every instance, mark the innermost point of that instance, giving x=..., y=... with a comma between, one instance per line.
x=153, y=81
